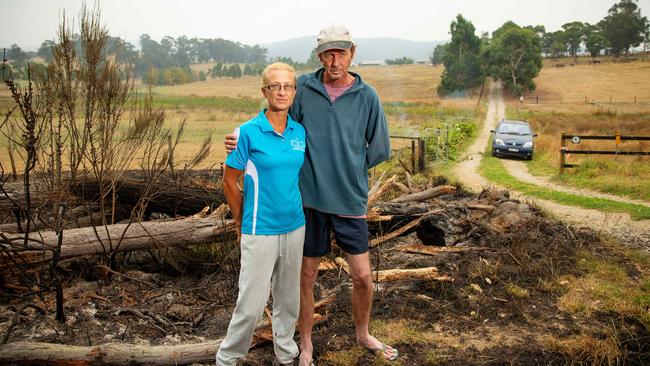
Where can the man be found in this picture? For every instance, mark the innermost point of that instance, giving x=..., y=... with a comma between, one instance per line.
x=346, y=135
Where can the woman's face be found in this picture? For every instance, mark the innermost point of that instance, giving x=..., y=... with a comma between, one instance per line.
x=279, y=90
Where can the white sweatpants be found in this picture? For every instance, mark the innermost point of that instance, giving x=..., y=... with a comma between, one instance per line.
x=267, y=262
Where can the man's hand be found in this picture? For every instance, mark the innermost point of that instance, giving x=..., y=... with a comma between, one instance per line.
x=230, y=143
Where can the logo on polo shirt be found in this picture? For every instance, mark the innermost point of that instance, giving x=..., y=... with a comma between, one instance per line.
x=297, y=144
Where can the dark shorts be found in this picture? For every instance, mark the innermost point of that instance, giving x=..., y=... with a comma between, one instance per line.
x=351, y=234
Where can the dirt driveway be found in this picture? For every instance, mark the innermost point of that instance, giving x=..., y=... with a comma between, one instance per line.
x=619, y=225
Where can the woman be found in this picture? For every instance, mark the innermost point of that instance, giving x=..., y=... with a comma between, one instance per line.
x=269, y=154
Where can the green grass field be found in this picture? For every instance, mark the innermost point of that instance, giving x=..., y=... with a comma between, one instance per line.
x=492, y=169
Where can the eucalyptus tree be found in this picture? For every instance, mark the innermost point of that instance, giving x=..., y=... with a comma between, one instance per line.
x=514, y=56
x=624, y=26
x=461, y=58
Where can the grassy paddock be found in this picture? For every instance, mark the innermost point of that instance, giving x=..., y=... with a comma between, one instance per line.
x=395, y=83
x=620, y=81
x=203, y=116
x=219, y=105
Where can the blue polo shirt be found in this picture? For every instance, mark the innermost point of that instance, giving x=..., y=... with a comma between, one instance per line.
x=271, y=163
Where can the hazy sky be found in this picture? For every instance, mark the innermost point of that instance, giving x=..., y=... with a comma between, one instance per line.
x=29, y=22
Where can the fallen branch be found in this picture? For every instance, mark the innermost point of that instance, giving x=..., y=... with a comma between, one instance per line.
x=374, y=197
x=398, y=232
x=374, y=215
x=389, y=275
x=325, y=265
x=377, y=184
x=402, y=187
x=427, y=194
x=433, y=250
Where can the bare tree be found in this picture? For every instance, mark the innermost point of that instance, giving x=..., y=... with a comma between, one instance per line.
x=80, y=121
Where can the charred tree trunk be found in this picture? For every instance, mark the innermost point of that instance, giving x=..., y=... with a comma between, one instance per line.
x=115, y=238
x=30, y=353
x=170, y=198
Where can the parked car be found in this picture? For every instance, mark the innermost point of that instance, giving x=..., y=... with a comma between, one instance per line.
x=513, y=138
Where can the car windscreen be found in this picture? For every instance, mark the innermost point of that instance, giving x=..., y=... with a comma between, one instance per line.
x=514, y=129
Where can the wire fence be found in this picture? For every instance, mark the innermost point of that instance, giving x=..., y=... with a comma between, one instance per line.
x=536, y=99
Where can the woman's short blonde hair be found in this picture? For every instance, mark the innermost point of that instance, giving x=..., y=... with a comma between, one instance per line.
x=277, y=66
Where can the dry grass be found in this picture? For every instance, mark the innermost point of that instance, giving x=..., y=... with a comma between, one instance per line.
x=623, y=82
x=517, y=291
x=201, y=121
x=399, y=331
x=403, y=83
x=605, y=286
x=622, y=175
x=414, y=85
x=246, y=86
x=596, y=84
x=586, y=349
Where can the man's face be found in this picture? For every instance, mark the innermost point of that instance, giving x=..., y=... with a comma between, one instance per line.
x=336, y=63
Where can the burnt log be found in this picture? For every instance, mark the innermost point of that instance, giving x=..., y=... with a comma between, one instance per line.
x=434, y=225
x=167, y=197
x=178, y=196
x=30, y=353
x=198, y=229
x=427, y=194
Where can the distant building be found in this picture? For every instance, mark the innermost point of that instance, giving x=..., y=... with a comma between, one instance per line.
x=423, y=62
x=372, y=63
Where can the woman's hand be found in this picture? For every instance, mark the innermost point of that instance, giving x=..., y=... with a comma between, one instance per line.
x=230, y=143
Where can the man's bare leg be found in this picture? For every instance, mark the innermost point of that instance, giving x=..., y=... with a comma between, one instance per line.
x=362, y=302
x=308, y=275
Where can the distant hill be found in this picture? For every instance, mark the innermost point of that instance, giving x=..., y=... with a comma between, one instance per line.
x=368, y=49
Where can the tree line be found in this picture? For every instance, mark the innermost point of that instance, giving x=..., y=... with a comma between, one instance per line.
x=164, y=62
x=167, y=62
x=514, y=53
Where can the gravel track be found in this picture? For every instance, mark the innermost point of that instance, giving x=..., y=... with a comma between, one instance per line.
x=619, y=225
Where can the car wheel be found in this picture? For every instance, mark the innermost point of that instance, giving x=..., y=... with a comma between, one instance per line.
x=493, y=153
x=529, y=157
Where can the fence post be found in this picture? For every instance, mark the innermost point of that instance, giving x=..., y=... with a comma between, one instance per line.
x=585, y=99
x=447, y=142
x=537, y=99
x=635, y=99
x=421, y=154
x=413, y=156
x=562, y=155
